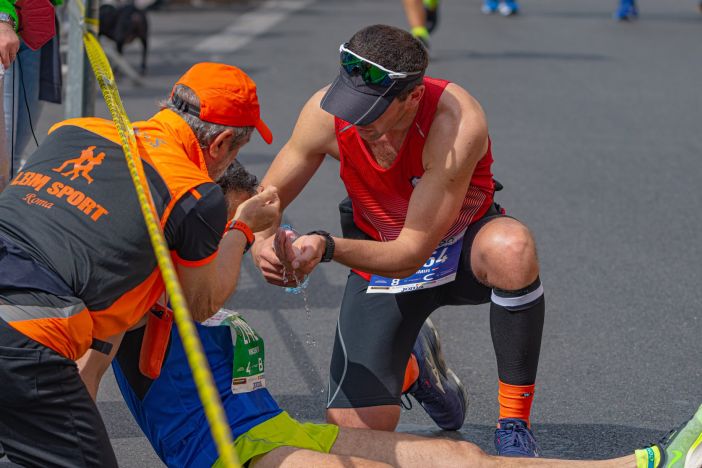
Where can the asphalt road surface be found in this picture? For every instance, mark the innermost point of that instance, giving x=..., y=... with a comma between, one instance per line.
x=597, y=137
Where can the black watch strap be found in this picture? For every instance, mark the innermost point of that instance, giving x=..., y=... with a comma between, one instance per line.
x=329, y=247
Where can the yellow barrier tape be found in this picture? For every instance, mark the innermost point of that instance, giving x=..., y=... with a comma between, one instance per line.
x=221, y=432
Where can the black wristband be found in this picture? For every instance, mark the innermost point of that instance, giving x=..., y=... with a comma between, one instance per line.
x=329, y=245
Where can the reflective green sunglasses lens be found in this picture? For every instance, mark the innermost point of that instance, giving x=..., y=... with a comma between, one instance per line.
x=375, y=76
x=370, y=73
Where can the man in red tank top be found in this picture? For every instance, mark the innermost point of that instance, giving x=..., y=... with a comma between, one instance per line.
x=420, y=230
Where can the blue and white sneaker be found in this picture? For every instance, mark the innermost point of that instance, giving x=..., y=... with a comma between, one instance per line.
x=513, y=438
x=489, y=7
x=437, y=389
x=508, y=8
x=627, y=11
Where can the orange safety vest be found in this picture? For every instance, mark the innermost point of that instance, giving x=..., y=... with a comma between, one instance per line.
x=74, y=209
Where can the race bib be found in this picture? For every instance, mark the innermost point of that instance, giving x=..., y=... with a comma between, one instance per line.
x=439, y=269
x=249, y=353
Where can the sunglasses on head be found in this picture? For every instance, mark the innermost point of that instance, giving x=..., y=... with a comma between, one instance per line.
x=371, y=72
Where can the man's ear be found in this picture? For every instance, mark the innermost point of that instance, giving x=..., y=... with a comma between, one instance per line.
x=417, y=93
x=220, y=145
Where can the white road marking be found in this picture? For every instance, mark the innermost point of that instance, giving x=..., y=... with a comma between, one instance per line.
x=249, y=25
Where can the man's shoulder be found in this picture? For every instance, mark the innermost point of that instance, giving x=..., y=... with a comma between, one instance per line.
x=457, y=106
x=459, y=122
x=313, y=107
x=315, y=127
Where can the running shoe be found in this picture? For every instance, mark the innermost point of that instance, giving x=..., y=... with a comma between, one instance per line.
x=513, y=438
x=489, y=7
x=431, y=9
x=627, y=11
x=437, y=389
x=680, y=448
x=508, y=8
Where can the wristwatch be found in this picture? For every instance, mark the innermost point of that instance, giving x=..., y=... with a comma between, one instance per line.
x=6, y=18
x=328, y=254
x=244, y=229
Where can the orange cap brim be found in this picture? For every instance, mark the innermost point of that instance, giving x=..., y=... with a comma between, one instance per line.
x=264, y=131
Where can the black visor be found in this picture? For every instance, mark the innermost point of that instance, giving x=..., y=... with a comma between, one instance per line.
x=359, y=103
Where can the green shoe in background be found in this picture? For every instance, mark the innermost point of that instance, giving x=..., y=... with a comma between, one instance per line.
x=680, y=448
x=431, y=8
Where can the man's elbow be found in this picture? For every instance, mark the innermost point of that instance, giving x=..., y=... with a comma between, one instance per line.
x=414, y=255
x=204, y=309
x=409, y=268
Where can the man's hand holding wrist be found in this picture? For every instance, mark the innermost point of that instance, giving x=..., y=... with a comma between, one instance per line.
x=328, y=245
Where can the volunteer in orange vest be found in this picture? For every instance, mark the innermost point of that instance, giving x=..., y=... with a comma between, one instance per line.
x=76, y=264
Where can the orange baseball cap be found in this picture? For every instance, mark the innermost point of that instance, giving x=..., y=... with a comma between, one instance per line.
x=227, y=97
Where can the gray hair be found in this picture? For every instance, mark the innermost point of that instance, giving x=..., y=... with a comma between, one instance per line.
x=205, y=132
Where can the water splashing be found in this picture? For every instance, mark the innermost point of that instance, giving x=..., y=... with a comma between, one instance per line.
x=300, y=286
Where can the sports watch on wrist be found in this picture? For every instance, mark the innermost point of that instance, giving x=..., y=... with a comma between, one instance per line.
x=244, y=229
x=6, y=18
x=328, y=254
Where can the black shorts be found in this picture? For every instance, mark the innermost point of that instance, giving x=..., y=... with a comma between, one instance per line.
x=376, y=332
x=47, y=417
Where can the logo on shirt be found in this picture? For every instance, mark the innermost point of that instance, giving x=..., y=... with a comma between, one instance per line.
x=44, y=185
x=414, y=181
x=82, y=165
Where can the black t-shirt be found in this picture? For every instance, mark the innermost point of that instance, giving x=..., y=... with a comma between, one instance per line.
x=196, y=224
x=73, y=209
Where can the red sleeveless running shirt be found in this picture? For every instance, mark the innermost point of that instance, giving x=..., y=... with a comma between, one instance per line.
x=380, y=197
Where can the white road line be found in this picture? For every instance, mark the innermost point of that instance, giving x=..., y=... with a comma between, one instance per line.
x=249, y=25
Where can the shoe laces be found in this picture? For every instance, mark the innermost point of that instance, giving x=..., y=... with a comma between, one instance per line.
x=664, y=441
x=517, y=435
x=426, y=394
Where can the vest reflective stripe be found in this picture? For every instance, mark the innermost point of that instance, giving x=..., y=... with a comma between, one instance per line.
x=12, y=313
x=70, y=337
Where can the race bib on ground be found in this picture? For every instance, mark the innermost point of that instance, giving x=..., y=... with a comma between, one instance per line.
x=249, y=353
x=439, y=269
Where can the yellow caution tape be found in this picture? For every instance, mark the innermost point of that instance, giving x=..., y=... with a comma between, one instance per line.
x=221, y=432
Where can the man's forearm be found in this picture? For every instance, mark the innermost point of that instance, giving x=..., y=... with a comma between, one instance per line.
x=228, y=265
x=393, y=259
x=93, y=364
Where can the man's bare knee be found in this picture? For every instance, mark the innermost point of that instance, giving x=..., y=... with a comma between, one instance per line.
x=469, y=451
x=504, y=255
